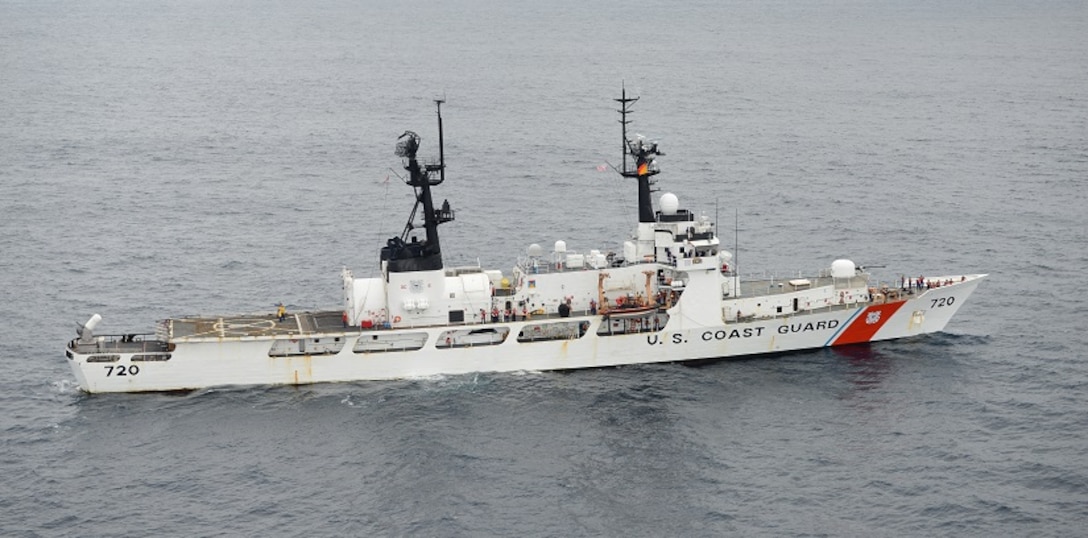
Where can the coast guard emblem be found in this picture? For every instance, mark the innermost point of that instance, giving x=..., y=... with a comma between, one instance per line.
x=873, y=318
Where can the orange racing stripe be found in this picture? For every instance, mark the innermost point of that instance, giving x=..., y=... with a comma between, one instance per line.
x=865, y=326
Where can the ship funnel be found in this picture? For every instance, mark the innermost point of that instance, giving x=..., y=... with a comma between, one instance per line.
x=86, y=330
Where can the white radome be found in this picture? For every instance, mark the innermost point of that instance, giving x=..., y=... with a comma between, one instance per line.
x=843, y=269
x=670, y=204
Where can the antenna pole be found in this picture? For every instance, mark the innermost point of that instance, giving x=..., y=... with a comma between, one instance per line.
x=441, y=145
x=623, y=128
x=715, y=217
x=736, y=249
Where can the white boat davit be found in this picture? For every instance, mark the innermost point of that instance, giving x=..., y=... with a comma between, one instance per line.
x=672, y=294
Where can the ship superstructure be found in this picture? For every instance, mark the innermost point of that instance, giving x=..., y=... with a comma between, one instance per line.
x=670, y=294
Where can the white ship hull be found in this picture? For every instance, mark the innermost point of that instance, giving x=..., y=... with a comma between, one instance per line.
x=208, y=362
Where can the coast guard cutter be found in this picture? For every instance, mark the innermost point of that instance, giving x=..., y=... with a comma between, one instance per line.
x=671, y=294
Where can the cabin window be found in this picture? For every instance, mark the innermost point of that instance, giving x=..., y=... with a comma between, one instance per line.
x=103, y=358
x=457, y=316
x=294, y=348
x=617, y=325
x=543, y=332
x=390, y=342
x=472, y=337
x=158, y=357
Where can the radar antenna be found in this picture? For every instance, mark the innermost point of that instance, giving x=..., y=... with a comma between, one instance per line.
x=407, y=145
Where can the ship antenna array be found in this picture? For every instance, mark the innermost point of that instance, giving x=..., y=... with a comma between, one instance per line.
x=625, y=109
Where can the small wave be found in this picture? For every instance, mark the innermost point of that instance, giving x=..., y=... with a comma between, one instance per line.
x=519, y=373
x=66, y=387
x=945, y=339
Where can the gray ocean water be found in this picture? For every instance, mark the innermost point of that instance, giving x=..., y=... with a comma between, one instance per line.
x=164, y=158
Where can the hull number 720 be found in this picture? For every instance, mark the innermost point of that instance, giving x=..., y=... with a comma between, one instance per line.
x=943, y=301
x=122, y=370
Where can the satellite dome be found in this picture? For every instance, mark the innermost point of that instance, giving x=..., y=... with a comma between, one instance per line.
x=560, y=246
x=669, y=203
x=843, y=269
x=535, y=250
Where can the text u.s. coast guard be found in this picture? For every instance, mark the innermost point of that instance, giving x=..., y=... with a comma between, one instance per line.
x=746, y=332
